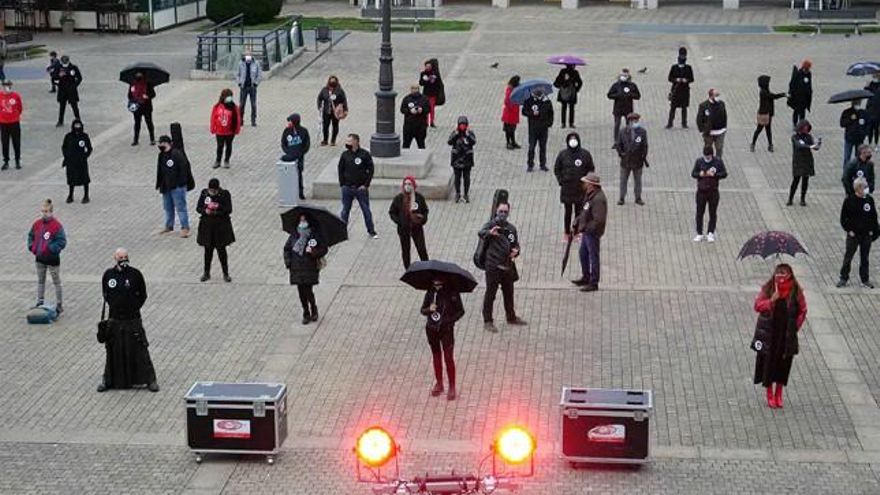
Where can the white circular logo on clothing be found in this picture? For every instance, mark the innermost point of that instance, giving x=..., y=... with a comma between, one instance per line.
x=424, y=78
x=535, y=108
x=357, y=161
x=578, y=162
x=435, y=316
x=82, y=144
x=47, y=235
x=861, y=121
x=411, y=104
x=73, y=73
x=566, y=77
x=111, y=283
x=169, y=163
x=867, y=207
x=801, y=142
x=626, y=90
x=859, y=173
x=511, y=237
x=758, y=345
x=313, y=243
x=207, y=200
x=806, y=80
x=638, y=139
x=333, y=97
x=12, y=101
x=706, y=112
x=289, y=139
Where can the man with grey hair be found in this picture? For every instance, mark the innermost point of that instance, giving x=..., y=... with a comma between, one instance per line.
x=858, y=217
x=128, y=360
x=248, y=78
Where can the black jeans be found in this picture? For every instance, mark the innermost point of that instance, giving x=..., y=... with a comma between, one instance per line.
x=62, y=107
x=307, y=299
x=794, y=185
x=494, y=279
x=567, y=108
x=7, y=132
x=862, y=242
x=797, y=115
x=299, y=173
x=224, y=141
x=537, y=137
x=221, y=255
x=442, y=344
x=711, y=198
x=684, y=116
x=462, y=174
x=417, y=235
x=148, y=118
x=417, y=132
x=874, y=131
x=248, y=92
x=509, y=133
x=327, y=120
x=571, y=209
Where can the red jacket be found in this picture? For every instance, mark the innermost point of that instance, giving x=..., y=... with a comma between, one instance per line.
x=10, y=108
x=763, y=305
x=222, y=120
x=510, y=114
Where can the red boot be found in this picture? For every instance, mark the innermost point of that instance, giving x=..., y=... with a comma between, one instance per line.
x=771, y=401
x=779, y=395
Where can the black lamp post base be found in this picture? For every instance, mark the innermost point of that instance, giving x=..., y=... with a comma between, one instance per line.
x=385, y=145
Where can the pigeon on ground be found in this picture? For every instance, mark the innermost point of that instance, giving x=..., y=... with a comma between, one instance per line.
x=643, y=70
x=494, y=65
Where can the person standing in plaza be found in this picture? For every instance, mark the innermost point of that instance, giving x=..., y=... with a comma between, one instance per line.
x=140, y=103
x=802, y=164
x=623, y=92
x=414, y=108
x=765, y=112
x=510, y=115
x=861, y=166
x=295, y=143
x=433, y=88
x=355, y=171
x=173, y=179
x=590, y=227
x=333, y=107
x=45, y=241
x=712, y=122
x=538, y=110
x=215, y=227
x=854, y=122
x=409, y=211
x=225, y=125
x=249, y=76
x=782, y=310
x=708, y=171
x=569, y=83
x=501, y=248
x=800, y=91
x=76, y=149
x=681, y=76
x=572, y=163
x=443, y=307
x=858, y=217
x=128, y=357
x=632, y=148
x=10, y=123
x=302, y=257
x=873, y=110
x=462, y=140
x=54, y=63
x=69, y=78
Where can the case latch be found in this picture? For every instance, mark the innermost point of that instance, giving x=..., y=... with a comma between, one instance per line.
x=259, y=409
x=639, y=416
x=201, y=407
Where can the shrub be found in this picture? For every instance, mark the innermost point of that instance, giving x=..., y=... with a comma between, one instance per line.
x=255, y=11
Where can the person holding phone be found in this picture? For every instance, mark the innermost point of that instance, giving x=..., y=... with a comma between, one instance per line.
x=802, y=166
x=442, y=306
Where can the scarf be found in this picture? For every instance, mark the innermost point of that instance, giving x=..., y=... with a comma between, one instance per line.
x=784, y=287
x=299, y=246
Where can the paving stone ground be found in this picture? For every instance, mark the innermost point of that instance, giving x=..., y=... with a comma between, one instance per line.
x=672, y=316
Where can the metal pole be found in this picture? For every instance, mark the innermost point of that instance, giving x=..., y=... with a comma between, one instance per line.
x=385, y=143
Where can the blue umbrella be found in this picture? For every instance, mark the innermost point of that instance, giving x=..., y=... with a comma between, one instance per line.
x=524, y=90
x=863, y=69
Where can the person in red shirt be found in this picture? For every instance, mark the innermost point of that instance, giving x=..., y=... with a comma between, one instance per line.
x=510, y=115
x=225, y=124
x=10, y=123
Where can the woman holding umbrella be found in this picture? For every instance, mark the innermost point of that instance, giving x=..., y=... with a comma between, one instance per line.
x=215, y=227
x=140, y=104
x=510, y=115
x=302, y=257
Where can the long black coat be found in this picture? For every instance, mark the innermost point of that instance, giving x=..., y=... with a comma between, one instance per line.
x=76, y=150
x=873, y=106
x=680, y=93
x=403, y=218
x=462, y=154
x=568, y=86
x=802, y=164
x=632, y=147
x=215, y=229
x=800, y=89
x=623, y=93
x=570, y=166
x=69, y=79
x=449, y=308
x=304, y=267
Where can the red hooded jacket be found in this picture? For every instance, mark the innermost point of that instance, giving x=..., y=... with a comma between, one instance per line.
x=510, y=113
x=10, y=108
x=222, y=120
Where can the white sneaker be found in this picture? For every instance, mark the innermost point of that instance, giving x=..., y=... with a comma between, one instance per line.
x=698, y=238
x=710, y=237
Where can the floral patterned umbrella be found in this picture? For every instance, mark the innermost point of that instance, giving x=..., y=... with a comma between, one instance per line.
x=772, y=242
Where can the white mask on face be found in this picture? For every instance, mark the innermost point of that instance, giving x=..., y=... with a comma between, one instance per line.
x=573, y=143
x=623, y=78
x=408, y=188
x=248, y=58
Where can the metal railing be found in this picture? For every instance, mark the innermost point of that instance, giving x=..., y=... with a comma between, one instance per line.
x=220, y=47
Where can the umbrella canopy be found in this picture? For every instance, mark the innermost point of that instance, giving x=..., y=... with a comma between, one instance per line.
x=863, y=69
x=851, y=95
x=566, y=60
x=524, y=90
x=772, y=242
x=331, y=228
x=422, y=275
x=154, y=74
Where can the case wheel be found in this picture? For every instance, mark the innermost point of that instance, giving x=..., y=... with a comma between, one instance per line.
x=270, y=459
x=198, y=458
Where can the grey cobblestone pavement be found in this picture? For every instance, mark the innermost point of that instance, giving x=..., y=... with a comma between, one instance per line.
x=672, y=316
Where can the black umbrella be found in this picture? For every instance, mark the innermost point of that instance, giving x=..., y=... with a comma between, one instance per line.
x=772, y=242
x=330, y=227
x=422, y=275
x=851, y=95
x=566, y=254
x=154, y=74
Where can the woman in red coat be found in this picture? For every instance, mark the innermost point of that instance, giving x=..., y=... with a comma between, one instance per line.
x=510, y=114
x=782, y=310
x=225, y=124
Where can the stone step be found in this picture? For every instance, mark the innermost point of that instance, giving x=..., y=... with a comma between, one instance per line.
x=436, y=184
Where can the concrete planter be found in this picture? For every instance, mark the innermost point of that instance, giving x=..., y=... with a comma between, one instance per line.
x=67, y=26
x=143, y=27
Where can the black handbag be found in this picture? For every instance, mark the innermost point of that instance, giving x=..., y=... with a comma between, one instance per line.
x=103, y=326
x=761, y=339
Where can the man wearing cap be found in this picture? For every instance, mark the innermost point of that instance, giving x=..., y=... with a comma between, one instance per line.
x=295, y=144
x=173, y=179
x=712, y=122
x=69, y=78
x=632, y=148
x=681, y=75
x=414, y=108
x=248, y=78
x=590, y=227
x=10, y=123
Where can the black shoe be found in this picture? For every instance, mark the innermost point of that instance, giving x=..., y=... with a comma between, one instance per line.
x=5, y=165
x=152, y=142
x=684, y=126
x=589, y=288
x=86, y=200
x=544, y=168
x=803, y=203
x=205, y=277
x=437, y=390
x=770, y=148
x=59, y=309
x=314, y=313
x=490, y=327
x=306, y=318
x=253, y=124
x=788, y=203
x=17, y=165
x=516, y=146
x=620, y=202
x=302, y=197
x=530, y=169
x=640, y=202
x=153, y=387
x=867, y=285
x=467, y=199
x=216, y=165
x=517, y=321
x=102, y=387
x=59, y=124
x=432, y=125
x=563, y=126
x=227, y=278
x=69, y=199
x=580, y=282
x=510, y=146
x=458, y=198
x=572, y=126
x=842, y=283
x=668, y=126
x=134, y=143
x=752, y=147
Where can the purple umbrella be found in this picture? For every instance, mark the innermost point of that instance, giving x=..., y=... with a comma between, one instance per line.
x=771, y=243
x=566, y=60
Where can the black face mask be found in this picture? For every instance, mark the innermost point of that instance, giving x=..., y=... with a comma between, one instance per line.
x=122, y=264
x=349, y=147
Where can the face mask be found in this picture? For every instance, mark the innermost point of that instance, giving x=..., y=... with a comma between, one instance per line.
x=123, y=263
x=501, y=216
x=707, y=159
x=333, y=84
x=65, y=64
x=623, y=78
x=462, y=127
x=302, y=226
x=681, y=60
x=538, y=94
x=408, y=188
x=349, y=147
x=248, y=58
x=573, y=143
x=165, y=149
x=717, y=98
x=438, y=285
x=228, y=99
x=636, y=125
x=77, y=128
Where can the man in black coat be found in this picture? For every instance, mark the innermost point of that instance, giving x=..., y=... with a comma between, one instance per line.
x=414, y=107
x=858, y=217
x=355, y=171
x=623, y=92
x=712, y=122
x=539, y=112
x=501, y=242
x=173, y=179
x=861, y=166
x=569, y=83
x=632, y=148
x=800, y=91
x=681, y=75
x=128, y=360
x=295, y=144
x=855, y=122
x=69, y=78
x=572, y=163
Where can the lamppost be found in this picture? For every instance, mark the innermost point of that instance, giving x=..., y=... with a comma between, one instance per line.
x=385, y=143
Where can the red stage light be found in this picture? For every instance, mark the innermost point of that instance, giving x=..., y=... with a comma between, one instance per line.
x=515, y=445
x=375, y=447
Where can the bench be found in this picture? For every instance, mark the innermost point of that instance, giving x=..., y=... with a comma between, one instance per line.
x=849, y=17
x=410, y=16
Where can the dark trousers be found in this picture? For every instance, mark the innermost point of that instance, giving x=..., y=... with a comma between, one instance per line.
x=571, y=209
x=509, y=133
x=462, y=174
x=442, y=343
x=874, y=131
x=147, y=115
x=221, y=255
x=765, y=128
x=589, y=256
x=249, y=92
x=307, y=299
x=224, y=142
x=349, y=194
x=567, y=108
x=710, y=198
x=537, y=137
x=328, y=120
x=13, y=132
x=62, y=107
x=684, y=116
x=417, y=132
x=862, y=242
x=617, y=120
x=417, y=235
x=85, y=191
x=494, y=279
x=797, y=115
x=805, y=183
